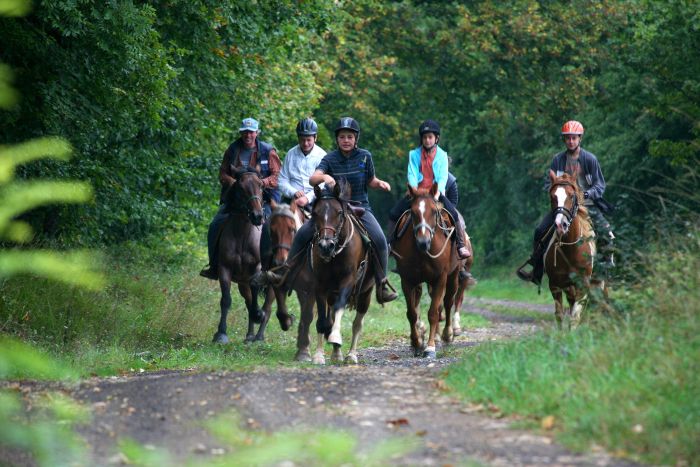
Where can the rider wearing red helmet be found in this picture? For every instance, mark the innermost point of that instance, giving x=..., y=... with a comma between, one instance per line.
x=584, y=166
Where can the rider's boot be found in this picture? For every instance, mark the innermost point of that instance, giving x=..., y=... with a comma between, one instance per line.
x=462, y=250
x=385, y=292
x=210, y=272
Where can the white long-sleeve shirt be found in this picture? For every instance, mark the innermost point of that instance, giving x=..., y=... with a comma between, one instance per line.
x=296, y=171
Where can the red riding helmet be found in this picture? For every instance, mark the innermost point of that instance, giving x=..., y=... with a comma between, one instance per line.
x=572, y=127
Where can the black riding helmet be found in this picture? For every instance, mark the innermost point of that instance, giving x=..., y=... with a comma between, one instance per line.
x=307, y=127
x=429, y=126
x=348, y=123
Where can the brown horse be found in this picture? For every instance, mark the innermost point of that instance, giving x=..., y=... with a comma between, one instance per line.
x=429, y=256
x=238, y=255
x=342, y=270
x=568, y=260
x=285, y=221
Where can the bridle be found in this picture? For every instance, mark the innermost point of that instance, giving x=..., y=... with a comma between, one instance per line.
x=247, y=205
x=431, y=230
x=569, y=214
x=334, y=238
x=288, y=214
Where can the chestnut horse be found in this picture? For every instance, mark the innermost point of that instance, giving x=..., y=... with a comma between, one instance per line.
x=430, y=256
x=463, y=285
x=285, y=221
x=239, y=251
x=568, y=260
x=342, y=270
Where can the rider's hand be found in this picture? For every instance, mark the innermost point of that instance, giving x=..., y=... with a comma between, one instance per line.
x=302, y=201
x=330, y=181
x=384, y=185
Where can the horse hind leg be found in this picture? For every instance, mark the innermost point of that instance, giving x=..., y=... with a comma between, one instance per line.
x=448, y=303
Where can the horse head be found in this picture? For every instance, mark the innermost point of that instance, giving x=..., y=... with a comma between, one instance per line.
x=424, y=214
x=245, y=195
x=284, y=223
x=565, y=198
x=329, y=216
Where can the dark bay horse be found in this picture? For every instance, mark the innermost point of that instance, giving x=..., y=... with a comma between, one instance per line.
x=238, y=255
x=568, y=260
x=463, y=285
x=285, y=221
x=427, y=256
x=341, y=268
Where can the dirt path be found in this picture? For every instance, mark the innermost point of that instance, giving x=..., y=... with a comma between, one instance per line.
x=389, y=394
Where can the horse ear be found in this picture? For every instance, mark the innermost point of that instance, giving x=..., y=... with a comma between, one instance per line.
x=346, y=191
x=317, y=191
x=433, y=189
x=552, y=175
x=336, y=190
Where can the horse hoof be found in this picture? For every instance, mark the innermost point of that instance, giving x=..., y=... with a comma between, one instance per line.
x=286, y=321
x=417, y=352
x=429, y=354
x=351, y=359
x=259, y=339
x=457, y=332
x=335, y=338
x=220, y=338
x=319, y=360
x=249, y=338
x=303, y=356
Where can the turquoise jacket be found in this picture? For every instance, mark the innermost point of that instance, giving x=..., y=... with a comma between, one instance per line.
x=440, y=168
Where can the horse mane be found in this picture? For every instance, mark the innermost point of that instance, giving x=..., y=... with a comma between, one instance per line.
x=283, y=209
x=244, y=170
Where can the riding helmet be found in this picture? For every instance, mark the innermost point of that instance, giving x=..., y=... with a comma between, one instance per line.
x=307, y=127
x=429, y=126
x=348, y=123
x=572, y=127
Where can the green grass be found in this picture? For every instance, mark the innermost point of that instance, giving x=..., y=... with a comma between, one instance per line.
x=629, y=383
x=504, y=285
x=157, y=313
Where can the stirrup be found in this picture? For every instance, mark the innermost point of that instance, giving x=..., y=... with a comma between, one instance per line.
x=390, y=292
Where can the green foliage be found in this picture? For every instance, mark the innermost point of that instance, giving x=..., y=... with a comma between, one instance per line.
x=628, y=384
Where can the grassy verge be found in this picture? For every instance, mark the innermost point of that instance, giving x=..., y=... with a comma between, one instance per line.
x=157, y=313
x=628, y=383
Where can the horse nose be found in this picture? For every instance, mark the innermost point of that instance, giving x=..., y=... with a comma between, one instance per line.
x=327, y=247
x=256, y=218
x=423, y=244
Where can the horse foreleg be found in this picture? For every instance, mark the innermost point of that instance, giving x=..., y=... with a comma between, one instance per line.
x=306, y=304
x=251, y=304
x=321, y=329
x=286, y=320
x=580, y=302
x=267, y=311
x=335, y=336
x=225, y=283
x=437, y=293
x=412, y=315
x=362, y=306
x=558, y=307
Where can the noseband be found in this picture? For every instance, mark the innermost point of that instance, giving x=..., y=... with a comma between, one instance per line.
x=247, y=205
x=283, y=246
x=427, y=226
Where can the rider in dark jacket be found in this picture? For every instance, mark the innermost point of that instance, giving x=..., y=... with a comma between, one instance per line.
x=246, y=151
x=585, y=167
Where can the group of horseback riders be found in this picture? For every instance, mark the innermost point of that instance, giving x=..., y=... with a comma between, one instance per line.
x=307, y=165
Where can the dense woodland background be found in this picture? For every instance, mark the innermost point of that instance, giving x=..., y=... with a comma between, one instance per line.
x=150, y=94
